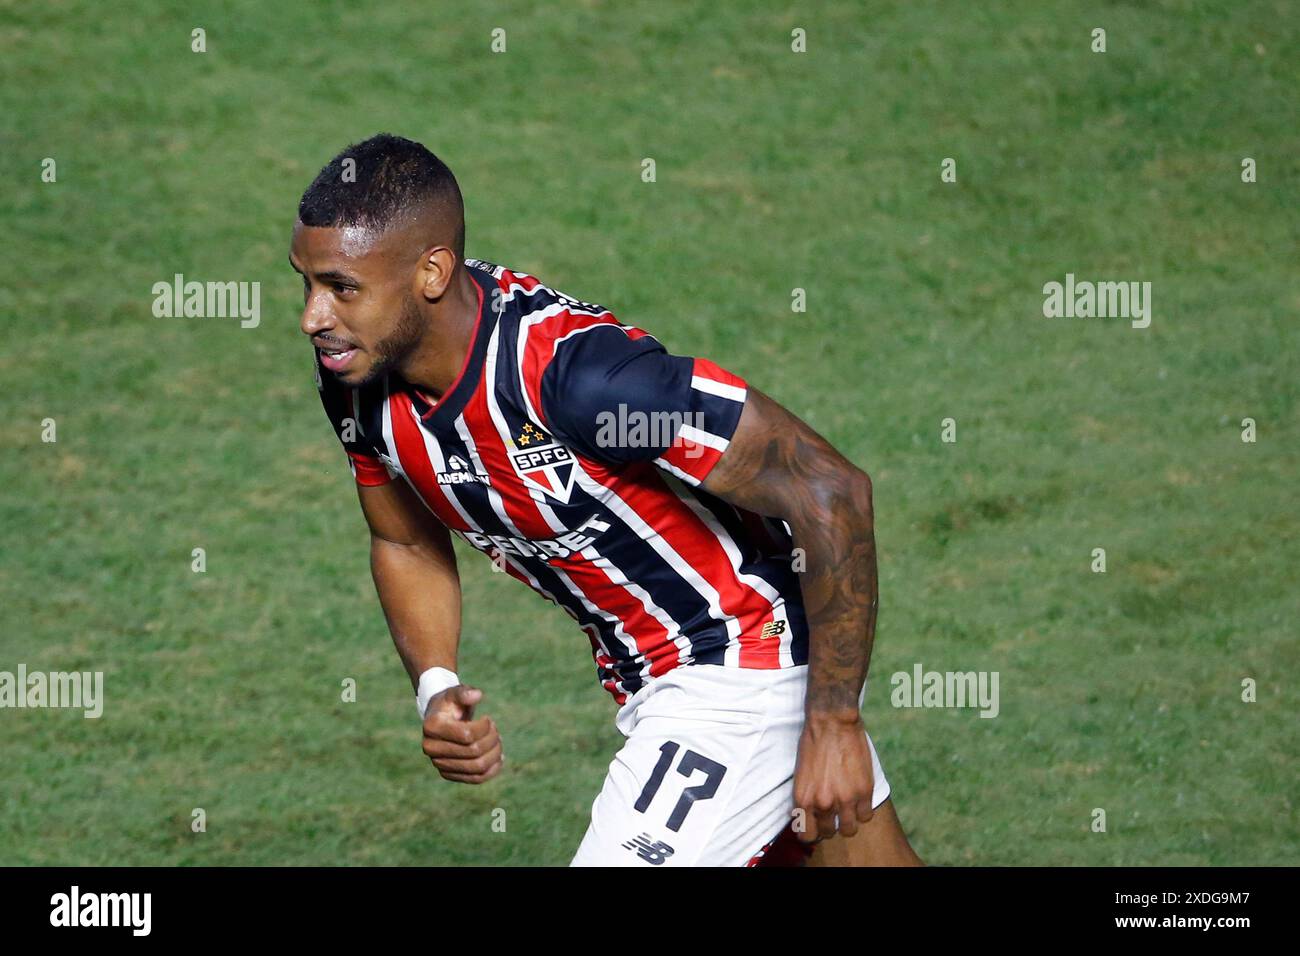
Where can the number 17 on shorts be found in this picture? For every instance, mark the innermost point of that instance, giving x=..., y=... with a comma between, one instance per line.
x=652, y=816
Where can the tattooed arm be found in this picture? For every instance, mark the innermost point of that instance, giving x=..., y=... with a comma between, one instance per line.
x=777, y=466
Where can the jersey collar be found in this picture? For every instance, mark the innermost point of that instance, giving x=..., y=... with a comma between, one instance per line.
x=453, y=401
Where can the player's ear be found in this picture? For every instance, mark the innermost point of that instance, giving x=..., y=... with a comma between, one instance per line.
x=437, y=264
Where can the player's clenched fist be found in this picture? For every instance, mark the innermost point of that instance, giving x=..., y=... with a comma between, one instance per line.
x=462, y=748
x=833, y=778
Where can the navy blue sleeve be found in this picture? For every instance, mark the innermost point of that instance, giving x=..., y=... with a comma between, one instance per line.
x=615, y=395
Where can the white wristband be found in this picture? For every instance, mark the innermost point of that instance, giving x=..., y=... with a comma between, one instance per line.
x=433, y=681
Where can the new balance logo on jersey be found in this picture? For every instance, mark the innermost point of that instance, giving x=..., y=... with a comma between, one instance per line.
x=652, y=851
x=549, y=468
x=461, y=473
x=773, y=629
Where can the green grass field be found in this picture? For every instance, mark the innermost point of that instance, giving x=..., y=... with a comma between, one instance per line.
x=775, y=171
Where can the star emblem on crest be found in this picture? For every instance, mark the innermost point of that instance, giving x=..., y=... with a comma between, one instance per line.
x=529, y=435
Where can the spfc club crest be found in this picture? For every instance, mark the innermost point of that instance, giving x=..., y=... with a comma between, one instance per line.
x=543, y=464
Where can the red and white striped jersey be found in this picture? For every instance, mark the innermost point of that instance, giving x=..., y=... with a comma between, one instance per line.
x=571, y=449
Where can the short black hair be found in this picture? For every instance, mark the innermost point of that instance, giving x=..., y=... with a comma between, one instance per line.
x=388, y=175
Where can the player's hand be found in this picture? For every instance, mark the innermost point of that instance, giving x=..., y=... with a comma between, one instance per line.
x=463, y=749
x=833, y=777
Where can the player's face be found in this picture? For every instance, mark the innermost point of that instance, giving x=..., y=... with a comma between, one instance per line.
x=358, y=306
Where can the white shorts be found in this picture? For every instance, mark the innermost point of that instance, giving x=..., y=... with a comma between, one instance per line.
x=706, y=777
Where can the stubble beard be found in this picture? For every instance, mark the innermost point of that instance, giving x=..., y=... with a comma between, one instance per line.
x=397, y=346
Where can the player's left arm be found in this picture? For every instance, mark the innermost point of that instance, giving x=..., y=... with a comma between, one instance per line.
x=776, y=465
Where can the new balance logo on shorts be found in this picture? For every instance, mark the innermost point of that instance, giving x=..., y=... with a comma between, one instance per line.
x=653, y=852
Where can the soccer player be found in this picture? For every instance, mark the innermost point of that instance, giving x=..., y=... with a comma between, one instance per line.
x=718, y=553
